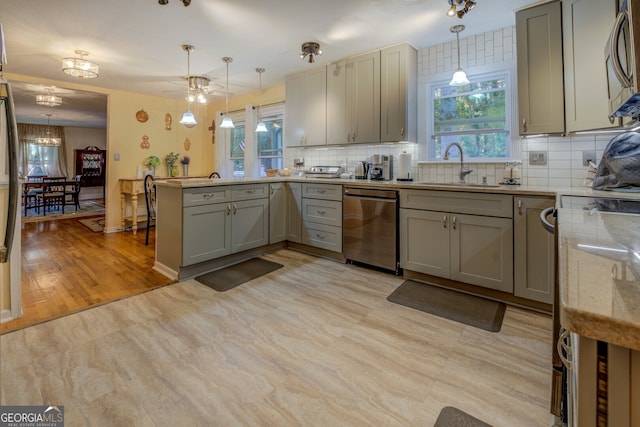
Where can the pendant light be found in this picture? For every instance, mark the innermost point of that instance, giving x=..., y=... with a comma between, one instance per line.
x=48, y=141
x=261, y=126
x=48, y=100
x=188, y=119
x=227, y=123
x=459, y=77
x=80, y=67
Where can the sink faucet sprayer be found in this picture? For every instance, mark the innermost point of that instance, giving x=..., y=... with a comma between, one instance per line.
x=463, y=172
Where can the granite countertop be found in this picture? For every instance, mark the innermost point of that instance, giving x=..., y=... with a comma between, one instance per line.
x=599, y=257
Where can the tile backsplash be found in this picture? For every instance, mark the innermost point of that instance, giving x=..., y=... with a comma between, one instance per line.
x=563, y=167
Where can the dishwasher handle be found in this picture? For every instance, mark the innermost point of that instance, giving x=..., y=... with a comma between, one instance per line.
x=370, y=192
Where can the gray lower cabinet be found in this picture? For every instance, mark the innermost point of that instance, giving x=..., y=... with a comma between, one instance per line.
x=294, y=212
x=206, y=233
x=459, y=245
x=322, y=216
x=277, y=212
x=533, y=250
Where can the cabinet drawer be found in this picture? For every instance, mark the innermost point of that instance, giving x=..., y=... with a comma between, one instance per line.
x=500, y=205
x=327, y=212
x=205, y=196
x=322, y=236
x=322, y=191
x=249, y=192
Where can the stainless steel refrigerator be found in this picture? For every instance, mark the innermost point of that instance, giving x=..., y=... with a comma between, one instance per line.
x=10, y=292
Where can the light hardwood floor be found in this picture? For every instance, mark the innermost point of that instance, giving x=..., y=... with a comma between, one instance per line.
x=67, y=268
x=312, y=344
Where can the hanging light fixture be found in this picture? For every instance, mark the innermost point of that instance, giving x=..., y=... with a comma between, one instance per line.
x=48, y=141
x=310, y=49
x=227, y=123
x=197, y=84
x=459, y=77
x=465, y=6
x=261, y=126
x=80, y=67
x=48, y=99
x=188, y=119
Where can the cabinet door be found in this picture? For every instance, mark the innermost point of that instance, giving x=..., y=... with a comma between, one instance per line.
x=294, y=211
x=250, y=224
x=294, y=110
x=363, y=97
x=533, y=250
x=540, y=75
x=206, y=233
x=398, y=94
x=586, y=25
x=338, y=120
x=315, y=110
x=482, y=251
x=277, y=212
x=424, y=242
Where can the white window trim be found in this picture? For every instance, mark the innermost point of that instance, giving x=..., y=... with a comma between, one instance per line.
x=425, y=101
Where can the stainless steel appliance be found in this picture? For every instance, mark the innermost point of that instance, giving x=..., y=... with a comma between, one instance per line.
x=324, y=172
x=361, y=170
x=9, y=194
x=621, y=53
x=370, y=227
x=381, y=167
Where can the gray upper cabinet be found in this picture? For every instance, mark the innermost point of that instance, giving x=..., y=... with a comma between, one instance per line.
x=306, y=108
x=353, y=100
x=398, y=94
x=585, y=27
x=540, y=69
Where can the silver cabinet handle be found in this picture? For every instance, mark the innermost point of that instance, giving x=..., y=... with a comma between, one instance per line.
x=251, y=191
x=321, y=212
x=235, y=208
x=444, y=221
x=524, y=124
x=519, y=206
x=207, y=196
x=401, y=131
x=228, y=209
x=453, y=222
x=320, y=191
x=320, y=236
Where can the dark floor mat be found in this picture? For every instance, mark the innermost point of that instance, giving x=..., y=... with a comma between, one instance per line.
x=234, y=275
x=464, y=308
x=452, y=417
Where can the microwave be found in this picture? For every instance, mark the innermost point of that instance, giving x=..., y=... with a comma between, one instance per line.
x=622, y=68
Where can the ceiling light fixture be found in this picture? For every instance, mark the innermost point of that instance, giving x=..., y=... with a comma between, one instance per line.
x=310, y=49
x=188, y=119
x=465, y=6
x=80, y=67
x=197, y=85
x=48, y=141
x=48, y=99
x=227, y=123
x=184, y=2
x=261, y=125
x=459, y=77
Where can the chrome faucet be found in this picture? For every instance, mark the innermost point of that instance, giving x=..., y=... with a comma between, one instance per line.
x=463, y=172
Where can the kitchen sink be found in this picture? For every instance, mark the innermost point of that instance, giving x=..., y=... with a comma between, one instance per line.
x=461, y=184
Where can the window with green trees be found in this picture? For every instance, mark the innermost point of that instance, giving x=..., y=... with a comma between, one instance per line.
x=475, y=116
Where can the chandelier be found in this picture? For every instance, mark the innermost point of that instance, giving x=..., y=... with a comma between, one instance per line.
x=48, y=141
x=310, y=49
x=80, y=67
x=48, y=99
x=460, y=7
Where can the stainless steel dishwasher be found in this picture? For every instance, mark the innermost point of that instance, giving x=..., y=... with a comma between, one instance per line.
x=370, y=227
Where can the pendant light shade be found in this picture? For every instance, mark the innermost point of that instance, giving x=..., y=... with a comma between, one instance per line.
x=261, y=127
x=227, y=123
x=188, y=119
x=80, y=67
x=459, y=77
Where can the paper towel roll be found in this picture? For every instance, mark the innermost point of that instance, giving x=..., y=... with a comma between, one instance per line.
x=405, y=166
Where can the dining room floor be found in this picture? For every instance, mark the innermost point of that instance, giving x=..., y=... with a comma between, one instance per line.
x=314, y=343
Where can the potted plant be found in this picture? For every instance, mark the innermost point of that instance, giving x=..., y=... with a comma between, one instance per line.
x=152, y=162
x=171, y=159
x=185, y=165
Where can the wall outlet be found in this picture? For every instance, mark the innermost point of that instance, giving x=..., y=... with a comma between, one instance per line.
x=538, y=158
x=588, y=156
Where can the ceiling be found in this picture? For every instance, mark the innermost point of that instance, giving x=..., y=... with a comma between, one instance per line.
x=138, y=43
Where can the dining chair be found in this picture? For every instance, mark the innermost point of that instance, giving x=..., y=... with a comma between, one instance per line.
x=214, y=175
x=150, y=198
x=72, y=192
x=30, y=190
x=52, y=194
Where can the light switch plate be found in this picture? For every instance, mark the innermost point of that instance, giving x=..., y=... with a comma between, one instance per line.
x=538, y=158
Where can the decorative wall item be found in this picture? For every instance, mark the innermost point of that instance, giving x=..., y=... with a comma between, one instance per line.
x=187, y=144
x=167, y=121
x=142, y=116
x=212, y=128
x=145, y=144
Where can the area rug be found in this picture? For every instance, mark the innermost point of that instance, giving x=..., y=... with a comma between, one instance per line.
x=453, y=417
x=464, y=308
x=87, y=208
x=237, y=274
x=95, y=224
